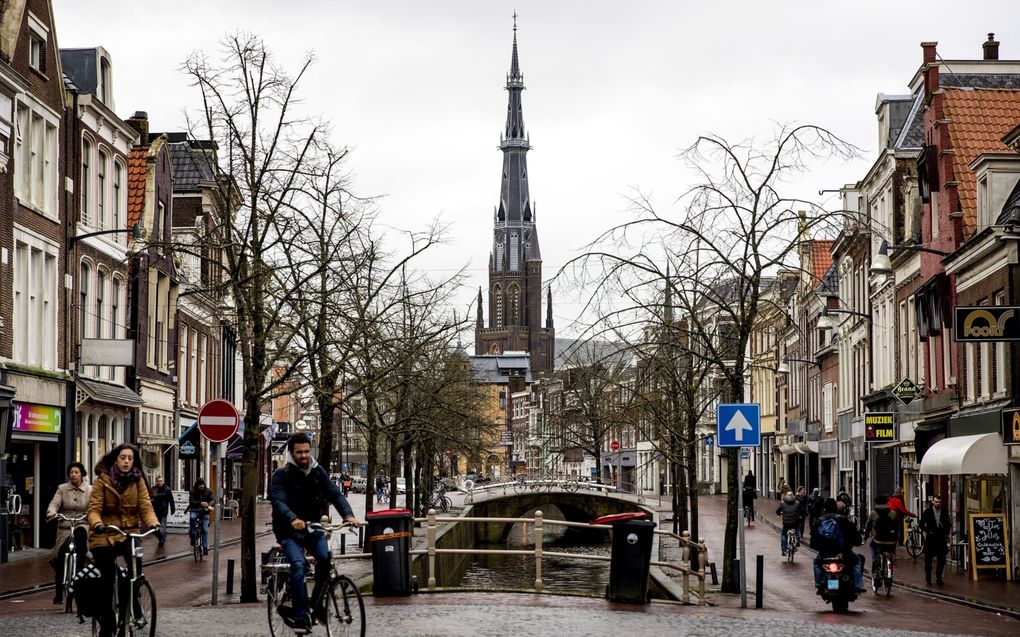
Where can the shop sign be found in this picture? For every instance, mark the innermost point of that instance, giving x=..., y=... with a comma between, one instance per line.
x=40, y=419
x=988, y=542
x=1011, y=426
x=179, y=518
x=906, y=391
x=879, y=427
x=987, y=323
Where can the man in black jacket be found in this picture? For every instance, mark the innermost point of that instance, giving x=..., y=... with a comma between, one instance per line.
x=162, y=505
x=298, y=492
x=936, y=527
x=199, y=504
x=829, y=546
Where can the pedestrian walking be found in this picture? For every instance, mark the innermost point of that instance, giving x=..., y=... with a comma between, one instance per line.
x=380, y=486
x=163, y=505
x=815, y=507
x=802, y=505
x=781, y=489
x=937, y=528
x=345, y=483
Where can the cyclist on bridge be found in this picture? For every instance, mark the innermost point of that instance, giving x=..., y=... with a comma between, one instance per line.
x=298, y=492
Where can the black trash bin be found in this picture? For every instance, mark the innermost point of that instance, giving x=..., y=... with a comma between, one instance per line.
x=389, y=532
x=631, y=557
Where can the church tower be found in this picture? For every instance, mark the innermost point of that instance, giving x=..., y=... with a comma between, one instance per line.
x=515, y=263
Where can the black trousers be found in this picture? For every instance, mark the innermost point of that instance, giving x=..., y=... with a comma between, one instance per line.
x=939, y=555
x=105, y=558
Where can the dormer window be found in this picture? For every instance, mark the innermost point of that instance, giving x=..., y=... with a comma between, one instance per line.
x=103, y=90
x=38, y=33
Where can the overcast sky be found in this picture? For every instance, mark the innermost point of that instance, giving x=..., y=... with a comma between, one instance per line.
x=615, y=89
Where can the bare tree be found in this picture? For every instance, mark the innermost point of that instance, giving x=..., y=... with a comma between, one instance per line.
x=730, y=232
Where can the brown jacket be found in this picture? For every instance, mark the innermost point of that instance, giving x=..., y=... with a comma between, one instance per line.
x=125, y=510
x=71, y=501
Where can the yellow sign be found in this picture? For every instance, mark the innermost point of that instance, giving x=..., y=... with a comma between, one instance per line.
x=879, y=427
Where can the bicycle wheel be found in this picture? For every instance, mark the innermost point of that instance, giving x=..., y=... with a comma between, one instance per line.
x=520, y=486
x=70, y=568
x=570, y=486
x=140, y=621
x=913, y=543
x=277, y=596
x=445, y=503
x=346, y=612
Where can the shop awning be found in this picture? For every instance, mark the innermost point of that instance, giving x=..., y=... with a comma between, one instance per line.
x=105, y=393
x=894, y=443
x=981, y=453
x=807, y=446
x=787, y=449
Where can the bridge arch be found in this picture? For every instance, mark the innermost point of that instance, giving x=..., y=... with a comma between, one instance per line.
x=576, y=507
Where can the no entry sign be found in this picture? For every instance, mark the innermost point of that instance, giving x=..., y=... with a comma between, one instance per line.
x=217, y=421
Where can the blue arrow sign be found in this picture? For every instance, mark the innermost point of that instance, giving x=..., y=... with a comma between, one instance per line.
x=739, y=425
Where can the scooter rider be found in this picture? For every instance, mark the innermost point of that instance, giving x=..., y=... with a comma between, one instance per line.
x=828, y=546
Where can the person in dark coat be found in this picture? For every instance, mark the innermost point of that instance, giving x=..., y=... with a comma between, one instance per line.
x=163, y=505
x=789, y=510
x=851, y=538
x=815, y=507
x=298, y=492
x=937, y=528
x=200, y=500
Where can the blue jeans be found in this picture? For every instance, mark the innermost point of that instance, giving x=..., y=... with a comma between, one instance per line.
x=782, y=536
x=317, y=547
x=204, y=517
x=379, y=494
x=858, y=570
x=162, y=529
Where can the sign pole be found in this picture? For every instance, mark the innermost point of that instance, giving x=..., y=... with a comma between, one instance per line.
x=216, y=519
x=740, y=531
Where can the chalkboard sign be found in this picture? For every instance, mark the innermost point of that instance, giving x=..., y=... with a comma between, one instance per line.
x=988, y=542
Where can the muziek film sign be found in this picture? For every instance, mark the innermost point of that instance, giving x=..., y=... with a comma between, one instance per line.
x=879, y=427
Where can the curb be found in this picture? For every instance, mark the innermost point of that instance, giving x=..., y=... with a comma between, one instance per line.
x=952, y=598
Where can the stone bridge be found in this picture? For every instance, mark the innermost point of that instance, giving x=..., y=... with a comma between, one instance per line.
x=576, y=507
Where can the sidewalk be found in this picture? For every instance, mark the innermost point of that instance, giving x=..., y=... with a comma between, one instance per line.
x=989, y=594
x=31, y=568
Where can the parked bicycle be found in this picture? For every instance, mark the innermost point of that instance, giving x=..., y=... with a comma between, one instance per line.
x=882, y=572
x=139, y=616
x=914, y=539
x=440, y=501
x=340, y=603
x=71, y=556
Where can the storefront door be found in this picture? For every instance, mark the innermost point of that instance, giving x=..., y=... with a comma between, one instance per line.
x=21, y=470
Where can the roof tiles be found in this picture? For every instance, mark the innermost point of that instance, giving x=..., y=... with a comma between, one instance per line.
x=821, y=260
x=978, y=120
x=136, y=185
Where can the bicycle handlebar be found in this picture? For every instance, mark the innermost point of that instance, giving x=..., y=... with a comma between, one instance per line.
x=68, y=518
x=327, y=528
x=108, y=528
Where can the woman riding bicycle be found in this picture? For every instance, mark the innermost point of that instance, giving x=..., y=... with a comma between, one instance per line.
x=297, y=493
x=120, y=497
x=72, y=500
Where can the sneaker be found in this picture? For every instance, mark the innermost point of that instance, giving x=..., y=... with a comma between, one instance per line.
x=939, y=582
x=205, y=551
x=302, y=626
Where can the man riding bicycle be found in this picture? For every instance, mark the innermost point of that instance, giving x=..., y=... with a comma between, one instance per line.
x=199, y=504
x=790, y=510
x=882, y=526
x=298, y=492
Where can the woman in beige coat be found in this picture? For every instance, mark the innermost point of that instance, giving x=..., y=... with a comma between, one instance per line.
x=71, y=499
x=120, y=496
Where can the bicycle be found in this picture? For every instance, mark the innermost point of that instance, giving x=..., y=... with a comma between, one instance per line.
x=882, y=571
x=139, y=616
x=195, y=535
x=570, y=485
x=340, y=601
x=914, y=540
x=791, y=544
x=521, y=485
x=440, y=501
x=71, y=557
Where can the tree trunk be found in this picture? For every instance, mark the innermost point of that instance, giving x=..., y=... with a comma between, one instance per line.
x=409, y=496
x=394, y=456
x=249, y=487
x=691, y=472
x=326, y=434
x=732, y=484
x=371, y=471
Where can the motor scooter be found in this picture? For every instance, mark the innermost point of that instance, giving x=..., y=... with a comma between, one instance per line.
x=837, y=584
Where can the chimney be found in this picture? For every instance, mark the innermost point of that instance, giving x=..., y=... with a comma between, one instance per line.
x=140, y=122
x=991, y=48
x=931, y=67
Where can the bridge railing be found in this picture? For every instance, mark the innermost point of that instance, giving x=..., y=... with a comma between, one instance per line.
x=692, y=563
x=539, y=485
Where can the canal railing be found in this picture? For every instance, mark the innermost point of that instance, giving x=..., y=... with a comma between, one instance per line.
x=692, y=563
x=519, y=487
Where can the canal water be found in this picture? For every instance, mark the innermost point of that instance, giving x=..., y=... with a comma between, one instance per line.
x=567, y=575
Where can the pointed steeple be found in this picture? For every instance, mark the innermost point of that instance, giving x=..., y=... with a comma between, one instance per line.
x=667, y=313
x=479, y=320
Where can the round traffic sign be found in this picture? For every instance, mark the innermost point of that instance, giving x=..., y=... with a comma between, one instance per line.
x=217, y=421
x=615, y=445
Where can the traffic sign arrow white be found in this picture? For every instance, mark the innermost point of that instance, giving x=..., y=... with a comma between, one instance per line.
x=738, y=424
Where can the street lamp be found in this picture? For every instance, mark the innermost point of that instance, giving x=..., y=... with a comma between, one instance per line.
x=826, y=322
x=785, y=369
x=881, y=263
x=135, y=230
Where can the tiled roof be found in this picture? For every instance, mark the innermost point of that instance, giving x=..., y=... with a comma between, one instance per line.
x=191, y=166
x=978, y=120
x=821, y=260
x=830, y=283
x=136, y=184
x=912, y=135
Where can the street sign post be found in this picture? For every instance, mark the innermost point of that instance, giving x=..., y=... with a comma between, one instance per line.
x=906, y=391
x=218, y=420
x=738, y=425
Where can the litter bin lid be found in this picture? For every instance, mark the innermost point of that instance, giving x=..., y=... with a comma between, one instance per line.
x=620, y=517
x=389, y=513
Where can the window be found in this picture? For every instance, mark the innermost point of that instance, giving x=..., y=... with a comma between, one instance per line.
x=101, y=190
x=35, y=300
x=35, y=157
x=118, y=175
x=83, y=299
x=100, y=285
x=202, y=371
x=86, y=180
x=114, y=317
x=104, y=82
x=37, y=53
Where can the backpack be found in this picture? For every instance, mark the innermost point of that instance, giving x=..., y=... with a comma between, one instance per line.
x=830, y=536
x=885, y=528
x=86, y=593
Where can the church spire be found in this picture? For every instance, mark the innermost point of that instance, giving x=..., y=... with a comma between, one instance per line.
x=548, y=309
